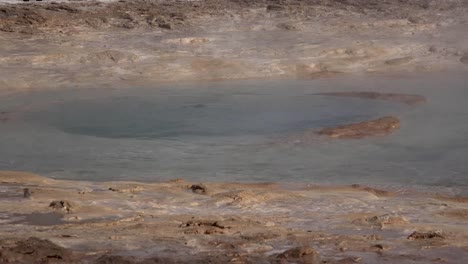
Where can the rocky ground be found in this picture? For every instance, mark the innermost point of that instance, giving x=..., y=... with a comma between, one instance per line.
x=76, y=44
x=52, y=221
x=49, y=45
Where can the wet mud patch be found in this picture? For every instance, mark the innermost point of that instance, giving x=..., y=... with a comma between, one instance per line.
x=39, y=219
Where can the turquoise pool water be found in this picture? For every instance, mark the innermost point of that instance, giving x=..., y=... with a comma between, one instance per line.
x=222, y=131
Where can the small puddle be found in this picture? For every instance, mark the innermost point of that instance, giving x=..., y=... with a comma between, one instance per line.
x=39, y=219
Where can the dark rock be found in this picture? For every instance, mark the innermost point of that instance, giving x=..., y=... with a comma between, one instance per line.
x=381, y=126
x=165, y=25
x=129, y=25
x=302, y=254
x=26, y=193
x=195, y=227
x=379, y=248
x=61, y=205
x=199, y=106
x=194, y=223
x=426, y=235
x=35, y=250
x=160, y=21
x=109, y=259
x=287, y=26
x=464, y=58
x=198, y=188
x=433, y=49
x=217, y=224
x=127, y=189
x=274, y=7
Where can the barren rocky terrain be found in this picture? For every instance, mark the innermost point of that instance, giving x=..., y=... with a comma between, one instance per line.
x=111, y=44
x=52, y=221
x=49, y=45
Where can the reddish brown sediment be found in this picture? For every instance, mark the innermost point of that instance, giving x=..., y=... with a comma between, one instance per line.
x=410, y=99
x=426, y=235
x=377, y=127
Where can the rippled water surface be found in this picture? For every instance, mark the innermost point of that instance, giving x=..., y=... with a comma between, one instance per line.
x=223, y=131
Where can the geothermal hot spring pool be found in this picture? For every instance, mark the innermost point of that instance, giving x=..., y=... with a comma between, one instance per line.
x=226, y=131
